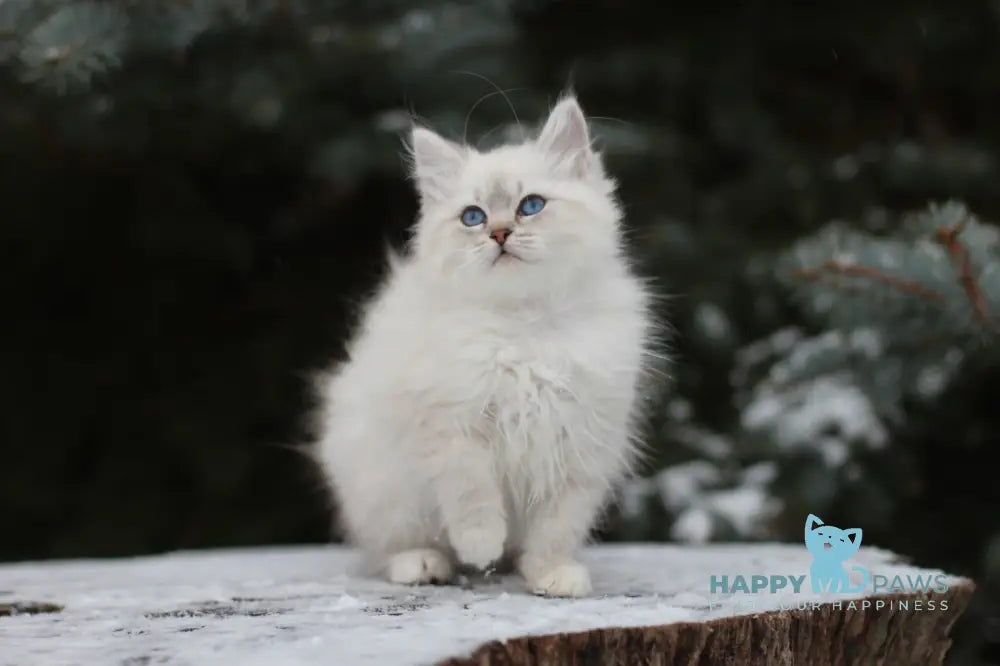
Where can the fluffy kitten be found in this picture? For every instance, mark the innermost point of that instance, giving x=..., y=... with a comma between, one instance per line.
x=489, y=402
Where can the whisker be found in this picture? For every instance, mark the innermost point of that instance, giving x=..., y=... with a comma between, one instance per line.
x=611, y=119
x=497, y=91
x=471, y=255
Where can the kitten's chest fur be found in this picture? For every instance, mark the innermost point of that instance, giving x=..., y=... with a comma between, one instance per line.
x=550, y=388
x=528, y=386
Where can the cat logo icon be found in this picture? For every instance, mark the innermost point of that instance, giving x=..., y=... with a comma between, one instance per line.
x=830, y=547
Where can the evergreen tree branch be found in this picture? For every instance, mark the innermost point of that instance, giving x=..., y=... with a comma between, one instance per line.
x=959, y=256
x=932, y=276
x=819, y=275
x=901, y=312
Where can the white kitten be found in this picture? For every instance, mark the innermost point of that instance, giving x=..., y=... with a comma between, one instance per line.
x=489, y=403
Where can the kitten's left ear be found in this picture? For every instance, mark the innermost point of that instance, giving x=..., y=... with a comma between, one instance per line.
x=566, y=139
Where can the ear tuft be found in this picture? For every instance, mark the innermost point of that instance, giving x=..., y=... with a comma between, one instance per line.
x=436, y=162
x=566, y=139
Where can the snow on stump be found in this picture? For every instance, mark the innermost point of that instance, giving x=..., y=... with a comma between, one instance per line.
x=652, y=604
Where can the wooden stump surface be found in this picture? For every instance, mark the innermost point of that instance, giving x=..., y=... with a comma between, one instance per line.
x=652, y=604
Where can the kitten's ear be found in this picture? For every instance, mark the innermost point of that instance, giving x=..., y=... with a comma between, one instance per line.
x=566, y=140
x=437, y=162
x=854, y=534
x=811, y=521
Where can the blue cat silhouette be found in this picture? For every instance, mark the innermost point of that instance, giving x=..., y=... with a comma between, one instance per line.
x=830, y=546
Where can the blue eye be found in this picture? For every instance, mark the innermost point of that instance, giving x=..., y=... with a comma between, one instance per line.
x=473, y=216
x=530, y=205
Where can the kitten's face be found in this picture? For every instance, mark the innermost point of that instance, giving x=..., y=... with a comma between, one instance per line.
x=829, y=542
x=547, y=200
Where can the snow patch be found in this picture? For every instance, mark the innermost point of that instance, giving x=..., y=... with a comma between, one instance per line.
x=712, y=323
x=681, y=484
x=802, y=417
x=306, y=606
x=694, y=525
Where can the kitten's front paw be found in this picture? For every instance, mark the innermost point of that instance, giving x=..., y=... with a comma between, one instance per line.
x=421, y=565
x=564, y=579
x=478, y=547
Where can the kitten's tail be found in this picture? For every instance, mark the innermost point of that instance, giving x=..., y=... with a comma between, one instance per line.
x=865, y=580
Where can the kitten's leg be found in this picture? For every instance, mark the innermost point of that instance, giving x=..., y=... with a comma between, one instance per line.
x=391, y=518
x=465, y=484
x=555, y=532
x=400, y=543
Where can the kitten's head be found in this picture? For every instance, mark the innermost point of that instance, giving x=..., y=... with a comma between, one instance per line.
x=831, y=543
x=519, y=218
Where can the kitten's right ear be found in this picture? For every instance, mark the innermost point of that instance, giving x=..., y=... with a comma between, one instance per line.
x=437, y=162
x=812, y=520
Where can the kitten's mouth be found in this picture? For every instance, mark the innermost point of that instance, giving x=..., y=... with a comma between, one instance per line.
x=505, y=257
x=827, y=546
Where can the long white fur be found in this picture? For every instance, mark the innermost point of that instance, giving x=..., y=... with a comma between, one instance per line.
x=489, y=403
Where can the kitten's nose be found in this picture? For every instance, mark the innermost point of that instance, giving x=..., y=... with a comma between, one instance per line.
x=500, y=235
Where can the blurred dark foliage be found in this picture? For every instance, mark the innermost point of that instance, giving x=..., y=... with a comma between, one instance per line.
x=185, y=238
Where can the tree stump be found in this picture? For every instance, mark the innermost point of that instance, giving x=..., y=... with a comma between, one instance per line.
x=652, y=604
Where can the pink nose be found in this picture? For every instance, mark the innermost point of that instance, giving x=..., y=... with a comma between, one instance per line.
x=500, y=235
